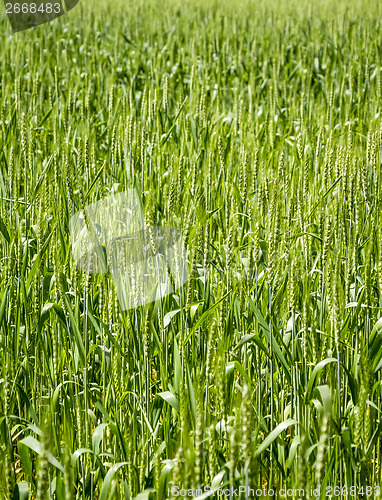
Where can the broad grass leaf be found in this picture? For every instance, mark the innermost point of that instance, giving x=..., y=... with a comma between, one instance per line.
x=22, y=490
x=204, y=316
x=115, y=428
x=177, y=367
x=36, y=446
x=56, y=394
x=252, y=337
x=272, y=342
x=76, y=331
x=274, y=435
x=168, y=317
x=314, y=377
x=59, y=490
x=374, y=438
x=40, y=181
x=4, y=231
x=44, y=315
x=375, y=346
x=216, y=481
x=191, y=393
x=148, y=494
x=346, y=438
x=81, y=451
x=231, y=365
x=170, y=399
x=97, y=437
x=60, y=314
x=76, y=455
x=326, y=397
x=28, y=404
x=353, y=386
x=165, y=477
x=94, y=181
x=293, y=450
x=37, y=262
x=26, y=460
x=108, y=479
x=3, y=303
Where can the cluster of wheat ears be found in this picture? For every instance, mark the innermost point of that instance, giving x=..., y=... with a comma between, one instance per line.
x=254, y=130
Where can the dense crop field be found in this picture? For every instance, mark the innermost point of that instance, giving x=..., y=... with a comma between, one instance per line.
x=257, y=132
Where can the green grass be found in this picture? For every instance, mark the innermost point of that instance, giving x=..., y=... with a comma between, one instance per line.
x=256, y=131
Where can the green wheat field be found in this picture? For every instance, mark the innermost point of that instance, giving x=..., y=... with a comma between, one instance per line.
x=255, y=129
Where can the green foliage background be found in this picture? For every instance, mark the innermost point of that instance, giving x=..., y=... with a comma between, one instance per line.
x=256, y=130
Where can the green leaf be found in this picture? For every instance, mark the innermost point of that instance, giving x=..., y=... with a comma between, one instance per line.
x=4, y=231
x=28, y=403
x=375, y=346
x=165, y=477
x=44, y=315
x=272, y=342
x=76, y=455
x=177, y=367
x=23, y=490
x=204, y=316
x=274, y=435
x=3, y=303
x=36, y=446
x=97, y=437
x=26, y=460
x=40, y=181
x=373, y=440
x=314, y=377
x=170, y=399
x=37, y=262
x=231, y=365
x=108, y=479
x=76, y=330
x=326, y=398
x=164, y=139
x=168, y=317
x=293, y=450
x=252, y=337
x=94, y=181
x=147, y=494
